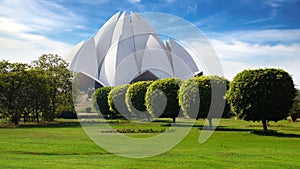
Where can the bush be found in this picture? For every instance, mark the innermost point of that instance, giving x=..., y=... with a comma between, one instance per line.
x=195, y=97
x=116, y=101
x=66, y=112
x=135, y=99
x=156, y=105
x=261, y=95
x=100, y=99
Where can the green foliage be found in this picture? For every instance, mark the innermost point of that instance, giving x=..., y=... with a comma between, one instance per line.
x=135, y=98
x=59, y=83
x=100, y=98
x=261, y=95
x=154, y=99
x=66, y=112
x=199, y=89
x=19, y=91
x=35, y=91
x=116, y=101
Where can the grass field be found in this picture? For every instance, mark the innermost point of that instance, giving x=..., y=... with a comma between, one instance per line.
x=235, y=144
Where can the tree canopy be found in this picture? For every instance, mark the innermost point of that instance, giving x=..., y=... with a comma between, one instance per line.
x=116, y=101
x=42, y=89
x=195, y=97
x=261, y=95
x=135, y=99
x=162, y=98
x=101, y=99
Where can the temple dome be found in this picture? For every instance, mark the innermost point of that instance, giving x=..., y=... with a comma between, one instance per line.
x=125, y=49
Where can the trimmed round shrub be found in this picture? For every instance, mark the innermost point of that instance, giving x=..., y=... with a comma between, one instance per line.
x=162, y=98
x=261, y=95
x=116, y=101
x=101, y=99
x=195, y=97
x=135, y=99
x=196, y=101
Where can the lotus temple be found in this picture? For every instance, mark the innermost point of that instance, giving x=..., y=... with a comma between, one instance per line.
x=127, y=49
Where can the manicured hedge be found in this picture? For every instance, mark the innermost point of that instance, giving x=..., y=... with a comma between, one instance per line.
x=135, y=99
x=196, y=97
x=155, y=102
x=101, y=99
x=116, y=101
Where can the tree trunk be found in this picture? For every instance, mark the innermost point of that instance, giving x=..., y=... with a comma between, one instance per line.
x=16, y=122
x=174, y=120
x=210, y=123
x=37, y=117
x=264, y=122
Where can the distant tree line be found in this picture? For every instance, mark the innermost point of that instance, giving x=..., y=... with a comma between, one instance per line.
x=31, y=92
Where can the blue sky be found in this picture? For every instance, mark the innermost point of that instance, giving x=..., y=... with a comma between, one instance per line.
x=244, y=33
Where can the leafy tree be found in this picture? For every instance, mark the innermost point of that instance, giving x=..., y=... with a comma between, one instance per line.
x=59, y=85
x=135, y=98
x=261, y=95
x=37, y=93
x=100, y=99
x=116, y=101
x=201, y=87
x=154, y=99
x=12, y=90
x=27, y=91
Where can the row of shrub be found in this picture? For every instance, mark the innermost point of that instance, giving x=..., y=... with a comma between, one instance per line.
x=256, y=95
x=166, y=98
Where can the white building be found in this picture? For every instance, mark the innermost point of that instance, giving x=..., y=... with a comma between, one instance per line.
x=127, y=49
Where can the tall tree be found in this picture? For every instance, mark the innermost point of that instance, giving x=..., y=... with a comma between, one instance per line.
x=59, y=85
x=12, y=93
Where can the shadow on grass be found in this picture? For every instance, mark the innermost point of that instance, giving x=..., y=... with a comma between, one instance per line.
x=252, y=131
x=43, y=125
x=275, y=133
x=58, y=153
x=58, y=124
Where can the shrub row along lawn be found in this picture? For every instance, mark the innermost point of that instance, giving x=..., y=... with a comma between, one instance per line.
x=235, y=144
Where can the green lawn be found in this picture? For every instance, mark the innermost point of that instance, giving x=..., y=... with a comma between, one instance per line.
x=235, y=144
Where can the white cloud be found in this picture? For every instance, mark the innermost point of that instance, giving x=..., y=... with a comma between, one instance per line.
x=260, y=36
x=8, y=25
x=42, y=16
x=29, y=48
x=259, y=49
x=24, y=40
